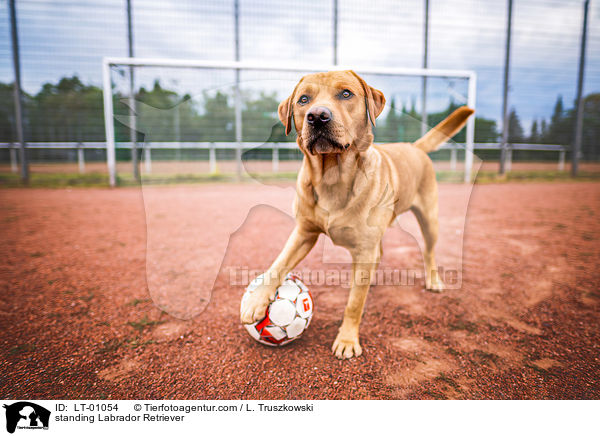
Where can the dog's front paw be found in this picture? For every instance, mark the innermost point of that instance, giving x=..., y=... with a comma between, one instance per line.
x=434, y=284
x=346, y=345
x=254, y=308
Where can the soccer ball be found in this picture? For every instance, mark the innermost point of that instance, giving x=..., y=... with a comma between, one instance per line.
x=287, y=316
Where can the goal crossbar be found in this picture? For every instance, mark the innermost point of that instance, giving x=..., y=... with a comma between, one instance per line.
x=109, y=62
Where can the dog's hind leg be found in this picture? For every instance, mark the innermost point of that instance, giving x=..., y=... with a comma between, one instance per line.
x=425, y=209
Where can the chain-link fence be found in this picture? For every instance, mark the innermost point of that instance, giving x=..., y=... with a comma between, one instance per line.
x=62, y=44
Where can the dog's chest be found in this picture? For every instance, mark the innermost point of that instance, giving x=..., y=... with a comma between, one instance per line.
x=342, y=226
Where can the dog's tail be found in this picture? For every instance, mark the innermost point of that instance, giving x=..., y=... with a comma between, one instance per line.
x=444, y=130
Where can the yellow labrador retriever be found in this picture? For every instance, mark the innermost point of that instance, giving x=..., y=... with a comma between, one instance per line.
x=352, y=190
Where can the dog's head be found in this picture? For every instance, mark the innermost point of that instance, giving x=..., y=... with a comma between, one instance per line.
x=332, y=112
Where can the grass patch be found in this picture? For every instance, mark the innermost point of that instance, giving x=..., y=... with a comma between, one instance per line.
x=137, y=301
x=140, y=325
x=449, y=176
x=74, y=180
x=535, y=176
x=136, y=343
x=100, y=180
x=55, y=180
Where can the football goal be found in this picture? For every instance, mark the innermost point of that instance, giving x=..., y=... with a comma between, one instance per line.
x=220, y=113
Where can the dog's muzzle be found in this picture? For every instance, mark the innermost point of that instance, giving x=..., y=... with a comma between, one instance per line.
x=318, y=117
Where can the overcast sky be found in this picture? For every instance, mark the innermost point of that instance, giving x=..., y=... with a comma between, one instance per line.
x=65, y=37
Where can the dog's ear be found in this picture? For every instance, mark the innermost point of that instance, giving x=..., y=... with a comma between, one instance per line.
x=286, y=110
x=374, y=99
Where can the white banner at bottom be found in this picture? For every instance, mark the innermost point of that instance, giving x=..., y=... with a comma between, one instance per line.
x=288, y=418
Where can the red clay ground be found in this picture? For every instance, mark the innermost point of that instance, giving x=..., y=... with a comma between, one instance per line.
x=76, y=320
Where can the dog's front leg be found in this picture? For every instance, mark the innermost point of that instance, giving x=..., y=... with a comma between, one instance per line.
x=346, y=344
x=298, y=245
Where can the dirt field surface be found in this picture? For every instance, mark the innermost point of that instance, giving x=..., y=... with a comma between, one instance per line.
x=77, y=320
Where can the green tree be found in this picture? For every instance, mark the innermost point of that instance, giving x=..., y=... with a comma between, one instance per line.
x=590, y=141
x=560, y=130
x=67, y=111
x=217, y=122
x=558, y=112
x=159, y=109
x=534, y=136
x=390, y=129
x=543, y=130
x=7, y=133
x=515, y=130
x=486, y=130
x=260, y=122
x=393, y=122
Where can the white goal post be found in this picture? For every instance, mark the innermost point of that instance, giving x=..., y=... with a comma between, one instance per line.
x=109, y=62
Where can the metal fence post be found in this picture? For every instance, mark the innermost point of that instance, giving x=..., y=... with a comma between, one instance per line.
x=14, y=166
x=424, y=127
x=335, y=32
x=561, y=159
x=238, y=125
x=238, y=97
x=147, y=158
x=177, y=128
x=508, y=163
x=132, y=103
x=453, y=157
x=275, y=157
x=212, y=158
x=18, y=99
x=80, y=158
x=579, y=119
x=505, y=90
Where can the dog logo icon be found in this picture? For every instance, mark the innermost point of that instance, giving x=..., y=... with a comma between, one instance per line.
x=26, y=415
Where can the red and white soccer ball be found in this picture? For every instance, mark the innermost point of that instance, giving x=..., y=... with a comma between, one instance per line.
x=288, y=315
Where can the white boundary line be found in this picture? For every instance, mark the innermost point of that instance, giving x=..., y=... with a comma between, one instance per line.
x=107, y=62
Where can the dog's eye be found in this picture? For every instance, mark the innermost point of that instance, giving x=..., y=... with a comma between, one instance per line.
x=346, y=94
x=303, y=100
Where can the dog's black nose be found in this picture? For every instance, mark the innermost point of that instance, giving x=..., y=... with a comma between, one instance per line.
x=318, y=116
